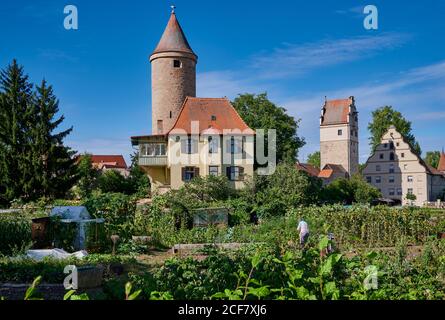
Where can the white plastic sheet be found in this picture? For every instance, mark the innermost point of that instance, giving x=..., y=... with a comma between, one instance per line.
x=58, y=254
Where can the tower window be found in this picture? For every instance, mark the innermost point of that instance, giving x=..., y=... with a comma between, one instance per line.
x=177, y=64
x=171, y=115
x=213, y=118
x=340, y=132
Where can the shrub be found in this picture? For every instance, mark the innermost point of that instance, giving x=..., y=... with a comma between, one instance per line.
x=117, y=209
x=287, y=188
x=15, y=234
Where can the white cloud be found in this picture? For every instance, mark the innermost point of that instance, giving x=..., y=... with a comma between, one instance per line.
x=413, y=93
x=295, y=60
x=429, y=116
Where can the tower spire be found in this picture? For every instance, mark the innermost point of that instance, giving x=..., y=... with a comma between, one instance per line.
x=173, y=39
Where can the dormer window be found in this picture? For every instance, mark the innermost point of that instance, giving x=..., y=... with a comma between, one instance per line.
x=177, y=64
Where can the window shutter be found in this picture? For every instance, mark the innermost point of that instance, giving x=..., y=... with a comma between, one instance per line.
x=196, y=172
x=183, y=174
x=241, y=173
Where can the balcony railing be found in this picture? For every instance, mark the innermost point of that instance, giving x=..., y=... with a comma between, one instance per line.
x=155, y=161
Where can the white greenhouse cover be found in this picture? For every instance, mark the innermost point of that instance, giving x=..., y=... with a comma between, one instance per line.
x=71, y=213
x=58, y=254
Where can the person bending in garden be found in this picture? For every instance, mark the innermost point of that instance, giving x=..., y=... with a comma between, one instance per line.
x=303, y=228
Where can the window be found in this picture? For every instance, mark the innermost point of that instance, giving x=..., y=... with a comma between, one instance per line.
x=171, y=114
x=391, y=179
x=410, y=179
x=382, y=156
x=369, y=179
x=405, y=167
x=410, y=191
x=399, y=191
x=213, y=145
x=392, y=192
x=398, y=144
x=340, y=132
x=160, y=150
x=378, y=179
x=188, y=173
x=391, y=145
x=378, y=168
x=213, y=171
x=189, y=146
x=385, y=145
x=177, y=64
x=213, y=118
x=402, y=155
x=391, y=168
x=235, y=145
x=235, y=173
x=152, y=150
x=391, y=156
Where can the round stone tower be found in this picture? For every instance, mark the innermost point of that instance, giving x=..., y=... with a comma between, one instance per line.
x=173, y=76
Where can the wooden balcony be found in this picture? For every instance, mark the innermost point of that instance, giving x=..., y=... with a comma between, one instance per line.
x=155, y=161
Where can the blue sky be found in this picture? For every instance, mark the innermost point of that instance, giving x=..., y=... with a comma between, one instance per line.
x=297, y=51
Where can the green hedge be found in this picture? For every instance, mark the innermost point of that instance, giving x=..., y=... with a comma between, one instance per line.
x=15, y=233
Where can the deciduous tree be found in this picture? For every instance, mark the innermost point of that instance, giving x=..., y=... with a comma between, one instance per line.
x=382, y=119
x=260, y=113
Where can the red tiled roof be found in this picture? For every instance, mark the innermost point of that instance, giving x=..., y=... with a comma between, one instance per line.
x=336, y=111
x=215, y=113
x=325, y=173
x=173, y=38
x=441, y=166
x=309, y=169
x=330, y=169
x=109, y=161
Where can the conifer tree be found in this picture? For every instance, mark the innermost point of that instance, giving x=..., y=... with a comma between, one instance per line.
x=54, y=165
x=15, y=116
x=34, y=162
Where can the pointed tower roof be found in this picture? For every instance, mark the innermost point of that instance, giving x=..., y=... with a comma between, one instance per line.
x=173, y=39
x=441, y=166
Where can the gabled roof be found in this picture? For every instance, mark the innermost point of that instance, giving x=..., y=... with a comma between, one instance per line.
x=336, y=111
x=215, y=113
x=308, y=168
x=441, y=166
x=173, y=39
x=330, y=169
x=109, y=161
x=429, y=169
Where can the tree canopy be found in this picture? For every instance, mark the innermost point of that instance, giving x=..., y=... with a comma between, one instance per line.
x=432, y=158
x=314, y=159
x=382, y=119
x=34, y=162
x=260, y=113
